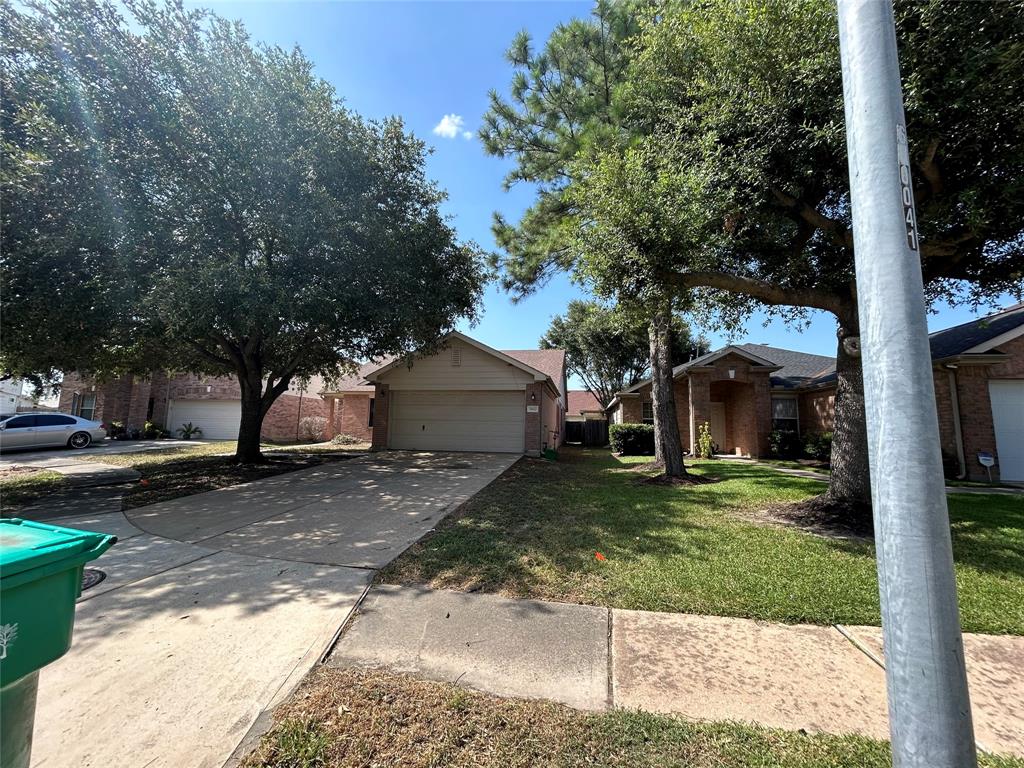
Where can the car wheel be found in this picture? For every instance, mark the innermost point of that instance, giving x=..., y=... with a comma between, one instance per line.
x=80, y=440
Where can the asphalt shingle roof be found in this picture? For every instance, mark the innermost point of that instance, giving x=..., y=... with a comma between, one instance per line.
x=549, y=361
x=960, y=338
x=798, y=368
x=581, y=400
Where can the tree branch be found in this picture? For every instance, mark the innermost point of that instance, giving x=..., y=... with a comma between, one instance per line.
x=767, y=293
x=837, y=230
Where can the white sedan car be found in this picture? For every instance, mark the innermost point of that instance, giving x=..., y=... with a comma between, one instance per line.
x=24, y=431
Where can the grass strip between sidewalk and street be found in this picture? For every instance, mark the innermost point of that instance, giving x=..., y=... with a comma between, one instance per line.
x=344, y=718
x=20, y=486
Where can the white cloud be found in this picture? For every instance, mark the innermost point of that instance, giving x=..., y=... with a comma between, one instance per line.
x=452, y=126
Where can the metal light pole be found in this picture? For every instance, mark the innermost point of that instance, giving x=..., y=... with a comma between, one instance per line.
x=929, y=707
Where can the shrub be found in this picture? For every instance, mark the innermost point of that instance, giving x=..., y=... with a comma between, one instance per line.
x=312, y=428
x=819, y=446
x=152, y=430
x=346, y=440
x=706, y=448
x=188, y=431
x=784, y=444
x=632, y=439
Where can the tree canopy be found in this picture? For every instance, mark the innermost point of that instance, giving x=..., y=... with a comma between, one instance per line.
x=720, y=168
x=178, y=197
x=608, y=348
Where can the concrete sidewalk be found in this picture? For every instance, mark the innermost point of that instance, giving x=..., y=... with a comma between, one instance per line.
x=796, y=677
x=180, y=649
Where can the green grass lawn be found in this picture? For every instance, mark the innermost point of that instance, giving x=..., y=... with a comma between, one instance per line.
x=371, y=718
x=535, y=531
x=168, y=472
x=21, y=487
x=185, y=470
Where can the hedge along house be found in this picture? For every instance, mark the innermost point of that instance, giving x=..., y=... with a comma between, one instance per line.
x=465, y=397
x=745, y=391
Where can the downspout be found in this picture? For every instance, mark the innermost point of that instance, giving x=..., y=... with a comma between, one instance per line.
x=958, y=436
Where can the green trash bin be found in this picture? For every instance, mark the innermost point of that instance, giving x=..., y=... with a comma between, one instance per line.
x=40, y=580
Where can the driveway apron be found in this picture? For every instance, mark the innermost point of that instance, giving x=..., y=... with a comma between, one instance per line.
x=214, y=606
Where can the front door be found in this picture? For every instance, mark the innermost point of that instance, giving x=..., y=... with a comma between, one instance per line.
x=718, y=426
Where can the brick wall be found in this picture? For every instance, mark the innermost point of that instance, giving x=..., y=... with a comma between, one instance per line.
x=381, y=407
x=817, y=410
x=631, y=413
x=127, y=399
x=534, y=437
x=352, y=416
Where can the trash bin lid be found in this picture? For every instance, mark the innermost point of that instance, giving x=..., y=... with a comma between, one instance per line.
x=25, y=544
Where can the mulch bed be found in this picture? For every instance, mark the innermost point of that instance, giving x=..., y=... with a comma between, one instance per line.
x=822, y=516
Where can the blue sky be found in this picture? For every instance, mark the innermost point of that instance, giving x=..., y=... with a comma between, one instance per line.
x=426, y=60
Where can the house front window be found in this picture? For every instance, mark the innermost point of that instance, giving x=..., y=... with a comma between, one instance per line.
x=784, y=414
x=647, y=410
x=87, y=406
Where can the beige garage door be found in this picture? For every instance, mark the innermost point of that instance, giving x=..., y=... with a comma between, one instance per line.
x=217, y=418
x=457, y=421
x=1008, y=418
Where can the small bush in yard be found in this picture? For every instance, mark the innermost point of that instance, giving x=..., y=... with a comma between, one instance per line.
x=345, y=440
x=819, y=446
x=312, y=428
x=784, y=444
x=705, y=444
x=632, y=439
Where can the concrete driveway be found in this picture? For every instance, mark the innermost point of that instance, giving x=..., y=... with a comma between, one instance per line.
x=214, y=606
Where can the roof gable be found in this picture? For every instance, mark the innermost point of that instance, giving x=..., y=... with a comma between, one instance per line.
x=548, y=361
x=978, y=335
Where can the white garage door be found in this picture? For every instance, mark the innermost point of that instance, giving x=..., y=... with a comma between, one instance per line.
x=457, y=421
x=1008, y=416
x=217, y=418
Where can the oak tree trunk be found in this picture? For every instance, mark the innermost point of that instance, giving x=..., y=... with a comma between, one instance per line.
x=247, y=450
x=668, y=449
x=850, y=481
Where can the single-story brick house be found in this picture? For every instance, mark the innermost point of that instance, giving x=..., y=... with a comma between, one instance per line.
x=171, y=400
x=584, y=405
x=466, y=397
x=745, y=391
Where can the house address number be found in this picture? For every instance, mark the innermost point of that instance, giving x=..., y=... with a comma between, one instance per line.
x=906, y=191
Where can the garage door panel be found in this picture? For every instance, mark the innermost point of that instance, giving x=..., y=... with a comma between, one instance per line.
x=457, y=421
x=219, y=419
x=1007, y=398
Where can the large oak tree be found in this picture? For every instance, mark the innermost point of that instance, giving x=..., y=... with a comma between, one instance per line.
x=724, y=170
x=176, y=196
x=739, y=113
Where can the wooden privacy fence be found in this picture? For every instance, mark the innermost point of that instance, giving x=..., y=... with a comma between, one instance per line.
x=592, y=432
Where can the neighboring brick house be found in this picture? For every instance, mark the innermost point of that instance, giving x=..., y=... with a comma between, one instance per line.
x=745, y=391
x=466, y=397
x=584, y=405
x=208, y=402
